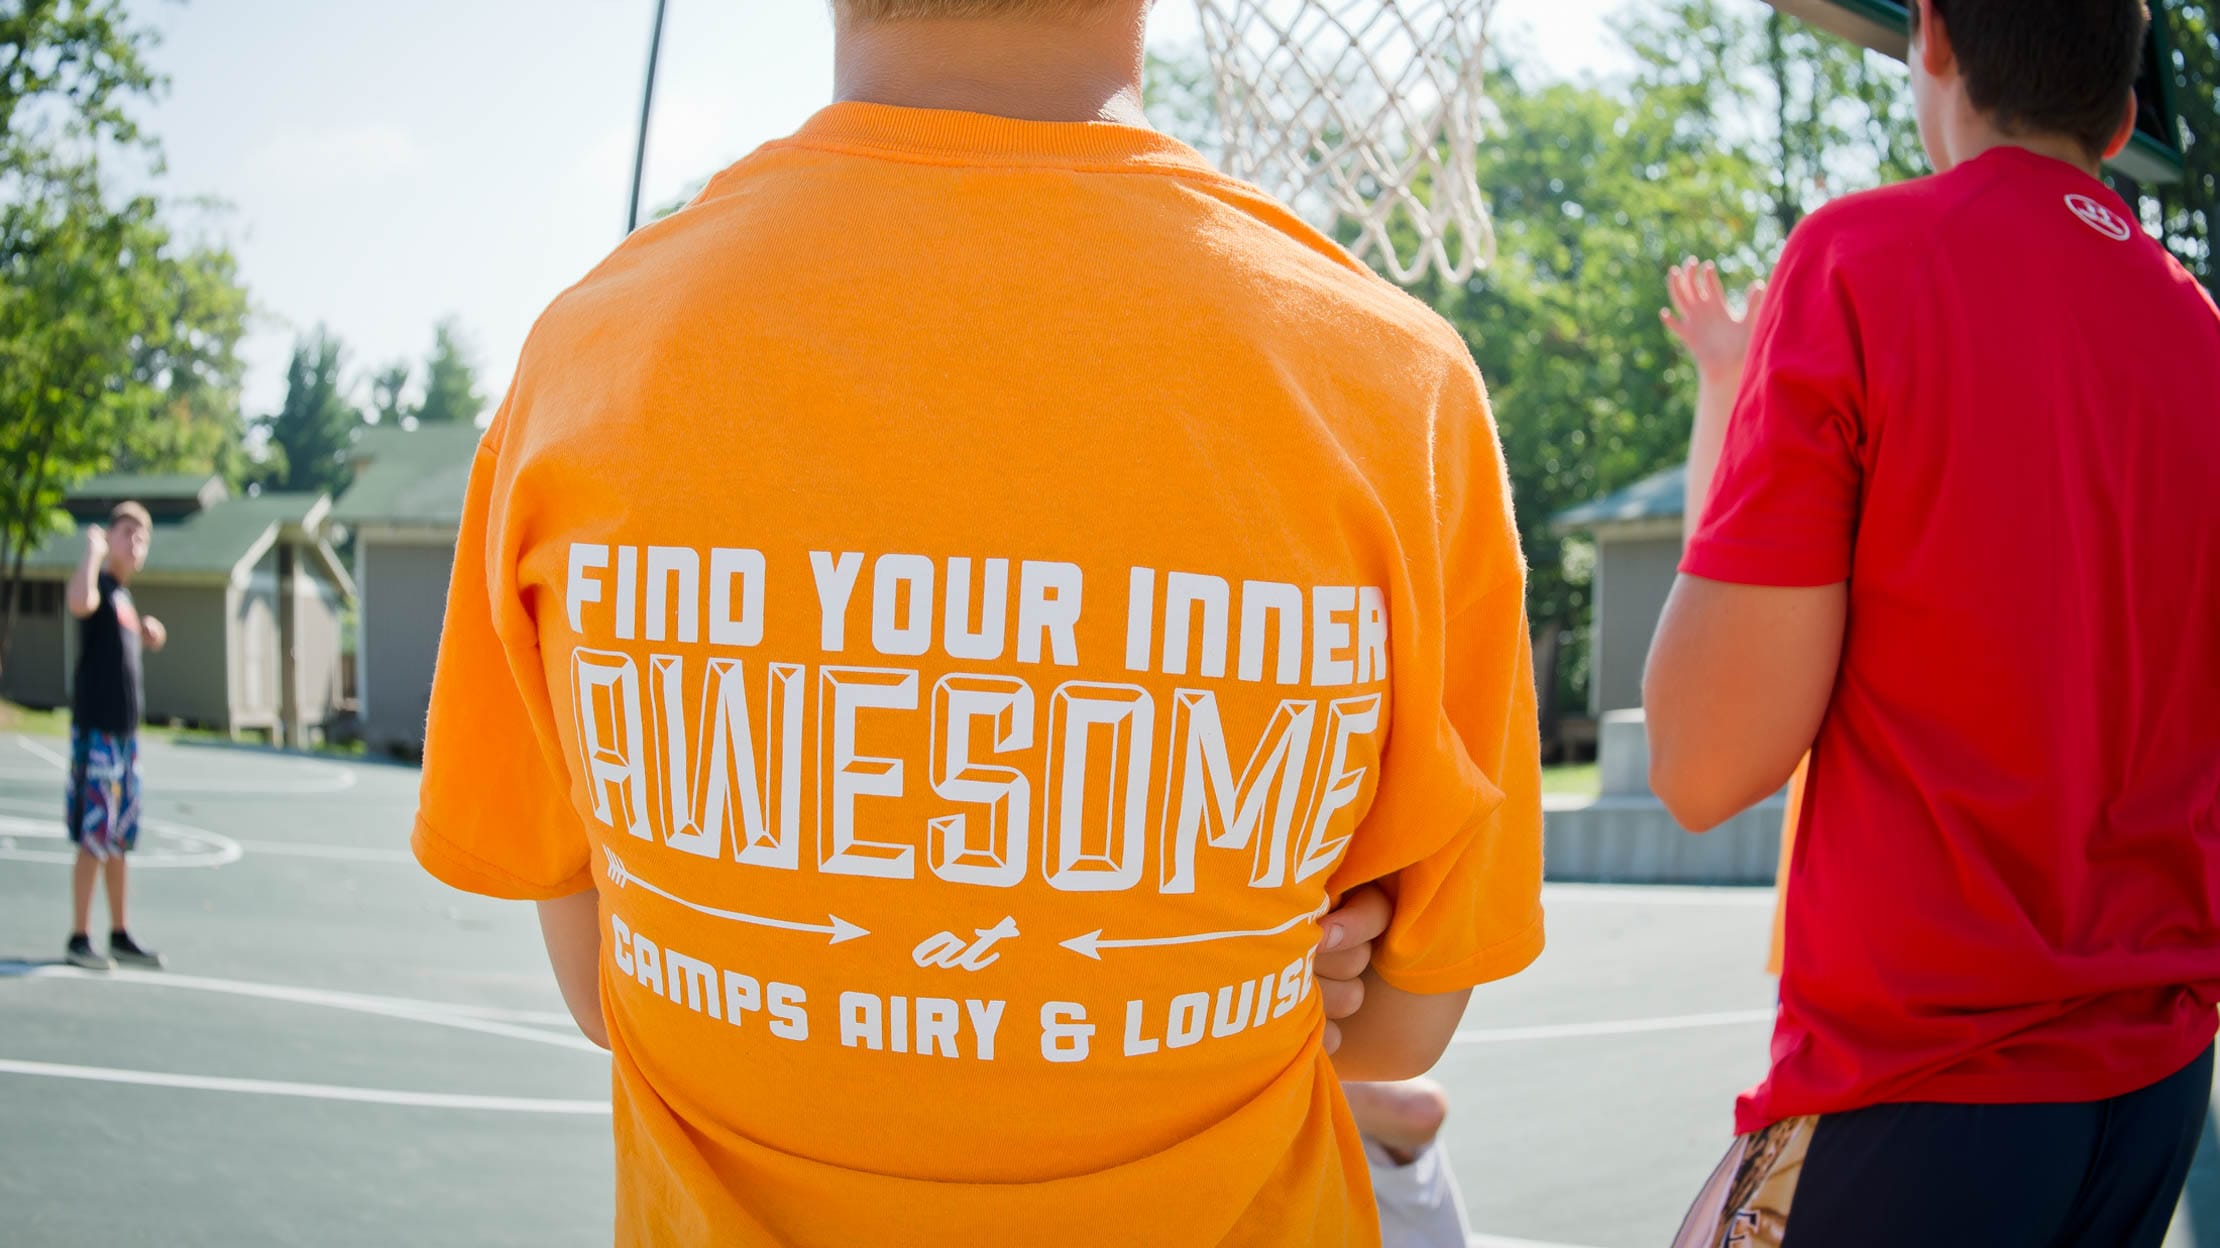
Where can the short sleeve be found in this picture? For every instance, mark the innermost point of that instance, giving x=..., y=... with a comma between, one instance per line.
x=1784, y=502
x=494, y=815
x=1459, y=813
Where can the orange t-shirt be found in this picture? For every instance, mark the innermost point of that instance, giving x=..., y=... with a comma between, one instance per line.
x=968, y=592
x=1774, y=954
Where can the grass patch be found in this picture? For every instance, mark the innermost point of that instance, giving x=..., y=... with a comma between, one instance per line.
x=1574, y=778
x=55, y=723
x=32, y=723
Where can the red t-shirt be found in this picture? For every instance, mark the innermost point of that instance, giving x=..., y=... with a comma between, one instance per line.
x=1992, y=405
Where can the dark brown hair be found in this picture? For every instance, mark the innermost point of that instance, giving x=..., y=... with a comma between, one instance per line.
x=2048, y=66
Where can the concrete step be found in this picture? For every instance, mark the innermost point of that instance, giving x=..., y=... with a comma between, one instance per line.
x=1632, y=840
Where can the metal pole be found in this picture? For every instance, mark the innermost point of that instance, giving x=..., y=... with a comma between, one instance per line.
x=647, y=105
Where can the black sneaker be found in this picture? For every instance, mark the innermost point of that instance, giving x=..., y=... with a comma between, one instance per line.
x=82, y=954
x=127, y=952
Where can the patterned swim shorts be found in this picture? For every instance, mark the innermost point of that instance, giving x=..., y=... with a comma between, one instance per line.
x=1747, y=1201
x=103, y=791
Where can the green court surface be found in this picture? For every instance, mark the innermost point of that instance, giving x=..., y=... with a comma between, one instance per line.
x=345, y=1052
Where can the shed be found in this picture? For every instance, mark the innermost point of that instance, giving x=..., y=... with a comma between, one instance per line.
x=405, y=509
x=1638, y=542
x=249, y=588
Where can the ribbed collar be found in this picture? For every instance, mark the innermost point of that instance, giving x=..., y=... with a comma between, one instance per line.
x=980, y=138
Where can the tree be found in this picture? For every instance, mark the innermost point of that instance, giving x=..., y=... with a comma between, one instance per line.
x=1729, y=129
x=450, y=381
x=87, y=314
x=388, y=404
x=311, y=435
x=190, y=361
x=1178, y=95
x=118, y=340
x=77, y=64
x=2185, y=211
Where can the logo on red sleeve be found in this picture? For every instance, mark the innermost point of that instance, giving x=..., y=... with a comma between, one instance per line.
x=2100, y=218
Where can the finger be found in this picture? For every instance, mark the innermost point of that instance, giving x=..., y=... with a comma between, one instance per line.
x=1753, y=299
x=1341, y=997
x=1693, y=280
x=1362, y=916
x=1333, y=1037
x=1712, y=289
x=1676, y=287
x=1344, y=963
x=1674, y=323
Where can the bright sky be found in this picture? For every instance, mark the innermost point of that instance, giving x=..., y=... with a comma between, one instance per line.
x=395, y=162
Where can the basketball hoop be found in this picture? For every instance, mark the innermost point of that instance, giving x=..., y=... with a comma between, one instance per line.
x=1363, y=114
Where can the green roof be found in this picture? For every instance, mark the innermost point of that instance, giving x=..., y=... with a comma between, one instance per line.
x=209, y=542
x=410, y=477
x=145, y=487
x=1659, y=496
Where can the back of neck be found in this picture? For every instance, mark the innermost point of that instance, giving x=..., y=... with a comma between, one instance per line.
x=1037, y=69
x=1975, y=140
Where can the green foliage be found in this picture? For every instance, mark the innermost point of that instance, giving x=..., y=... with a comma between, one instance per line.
x=450, y=381
x=2188, y=211
x=118, y=338
x=82, y=289
x=310, y=438
x=388, y=406
x=190, y=361
x=70, y=64
x=1177, y=94
x=1732, y=124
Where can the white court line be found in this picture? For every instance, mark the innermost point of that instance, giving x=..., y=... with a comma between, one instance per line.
x=313, y=1091
x=1614, y=1027
x=344, y=853
x=1661, y=894
x=42, y=752
x=489, y=1020
x=220, y=850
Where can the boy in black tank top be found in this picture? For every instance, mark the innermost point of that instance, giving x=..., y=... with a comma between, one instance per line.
x=106, y=700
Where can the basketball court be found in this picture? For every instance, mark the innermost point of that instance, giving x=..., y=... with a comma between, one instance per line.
x=344, y=1051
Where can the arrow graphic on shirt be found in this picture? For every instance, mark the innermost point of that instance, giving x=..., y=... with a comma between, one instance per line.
x=836, y=927
x=1093, y=942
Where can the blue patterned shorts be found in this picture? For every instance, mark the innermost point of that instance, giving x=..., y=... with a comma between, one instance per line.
x=103, y=791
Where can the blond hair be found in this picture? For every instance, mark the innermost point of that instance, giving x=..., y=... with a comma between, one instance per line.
x=133, y=512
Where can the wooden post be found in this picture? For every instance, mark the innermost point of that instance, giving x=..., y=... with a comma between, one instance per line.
x=289, y=703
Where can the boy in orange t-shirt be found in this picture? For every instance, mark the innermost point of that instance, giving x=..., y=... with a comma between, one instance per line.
x=937, y=620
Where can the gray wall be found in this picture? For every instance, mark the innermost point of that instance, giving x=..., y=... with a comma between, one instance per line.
x=316, y=643
x=1633, y=576
x=37, y=670
x=220, y=668
x=256, y=656
x=403, y=588
x=185, y=679
x=254, y=651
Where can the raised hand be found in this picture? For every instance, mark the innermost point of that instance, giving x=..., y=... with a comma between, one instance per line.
x=96, y=542
x=1707, y=325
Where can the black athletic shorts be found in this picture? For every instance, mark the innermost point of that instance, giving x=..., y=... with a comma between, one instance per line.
x=2082, y=1174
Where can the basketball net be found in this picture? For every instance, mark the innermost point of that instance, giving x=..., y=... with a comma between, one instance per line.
x=1363, y=115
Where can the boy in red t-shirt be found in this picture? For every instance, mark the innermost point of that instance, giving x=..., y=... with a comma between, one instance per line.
x=1959, y=547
